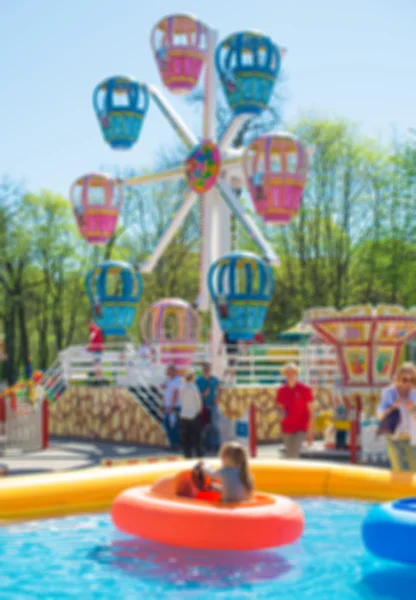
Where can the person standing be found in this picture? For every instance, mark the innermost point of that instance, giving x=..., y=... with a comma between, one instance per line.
x=96, y=348
x=208, y=385
x=259, y=338
x=171, y=389
x=401, y=395
x=191, y=407
x=95, y=339
x=294, y=400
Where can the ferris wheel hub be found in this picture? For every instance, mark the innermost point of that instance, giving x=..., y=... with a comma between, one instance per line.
x=203, y=166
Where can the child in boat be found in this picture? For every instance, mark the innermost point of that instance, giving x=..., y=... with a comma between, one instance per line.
x=234, y=477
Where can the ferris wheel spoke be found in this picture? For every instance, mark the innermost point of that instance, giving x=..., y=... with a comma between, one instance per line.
x=254, y=232
x=233, y=129
x=160, y=176
x=180, y=216
x=185, y=134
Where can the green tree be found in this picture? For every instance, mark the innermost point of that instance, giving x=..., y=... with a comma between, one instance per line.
x=60, y=259
x=353, y=239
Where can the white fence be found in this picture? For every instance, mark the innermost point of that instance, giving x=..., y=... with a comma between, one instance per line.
x=261, y=365
x=119, y=365
x=254, y=365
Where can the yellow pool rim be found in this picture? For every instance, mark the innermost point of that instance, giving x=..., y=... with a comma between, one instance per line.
x=93, y=490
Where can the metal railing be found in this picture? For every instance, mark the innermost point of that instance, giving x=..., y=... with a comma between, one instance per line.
x=53, y=384
x=255, y=365
x=260, y=365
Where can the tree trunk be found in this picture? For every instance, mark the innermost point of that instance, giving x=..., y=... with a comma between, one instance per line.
x=43, y=327
x=11, y=370
x=24, y=338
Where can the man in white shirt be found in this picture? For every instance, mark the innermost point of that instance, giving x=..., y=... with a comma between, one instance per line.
x=171, y=389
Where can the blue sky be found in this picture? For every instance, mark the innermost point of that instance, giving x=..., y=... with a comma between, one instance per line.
x=353, y=59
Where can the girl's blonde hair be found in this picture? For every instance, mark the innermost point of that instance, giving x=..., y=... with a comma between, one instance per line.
x=406, y=367
x=237, y=454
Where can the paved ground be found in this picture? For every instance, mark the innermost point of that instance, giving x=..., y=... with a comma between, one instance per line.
x=66, y=454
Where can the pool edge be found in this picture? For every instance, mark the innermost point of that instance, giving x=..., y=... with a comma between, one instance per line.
x=93, y=490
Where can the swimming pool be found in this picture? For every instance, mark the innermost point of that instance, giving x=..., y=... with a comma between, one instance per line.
x=86, y=558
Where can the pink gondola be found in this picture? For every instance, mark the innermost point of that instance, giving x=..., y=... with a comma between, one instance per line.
x=174, y=326
x=179, y=43
x=276, y=167
x=96, y=200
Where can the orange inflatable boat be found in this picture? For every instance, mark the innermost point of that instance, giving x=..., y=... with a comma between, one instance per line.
x=202, y=521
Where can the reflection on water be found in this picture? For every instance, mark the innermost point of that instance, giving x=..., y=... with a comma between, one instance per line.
x=394, y=583
x=149, y=560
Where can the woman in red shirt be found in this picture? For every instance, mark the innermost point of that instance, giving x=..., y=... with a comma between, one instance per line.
x=294, y=400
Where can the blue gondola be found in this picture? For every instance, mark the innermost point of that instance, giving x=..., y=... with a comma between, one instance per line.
x=248, y=64
x=241, y=286
x=120, y=104
x=114, y=289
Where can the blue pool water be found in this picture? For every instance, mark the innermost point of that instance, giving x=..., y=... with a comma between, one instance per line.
x=86, y=558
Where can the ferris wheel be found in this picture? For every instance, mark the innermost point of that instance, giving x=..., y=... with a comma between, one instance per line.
x=273, y=167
